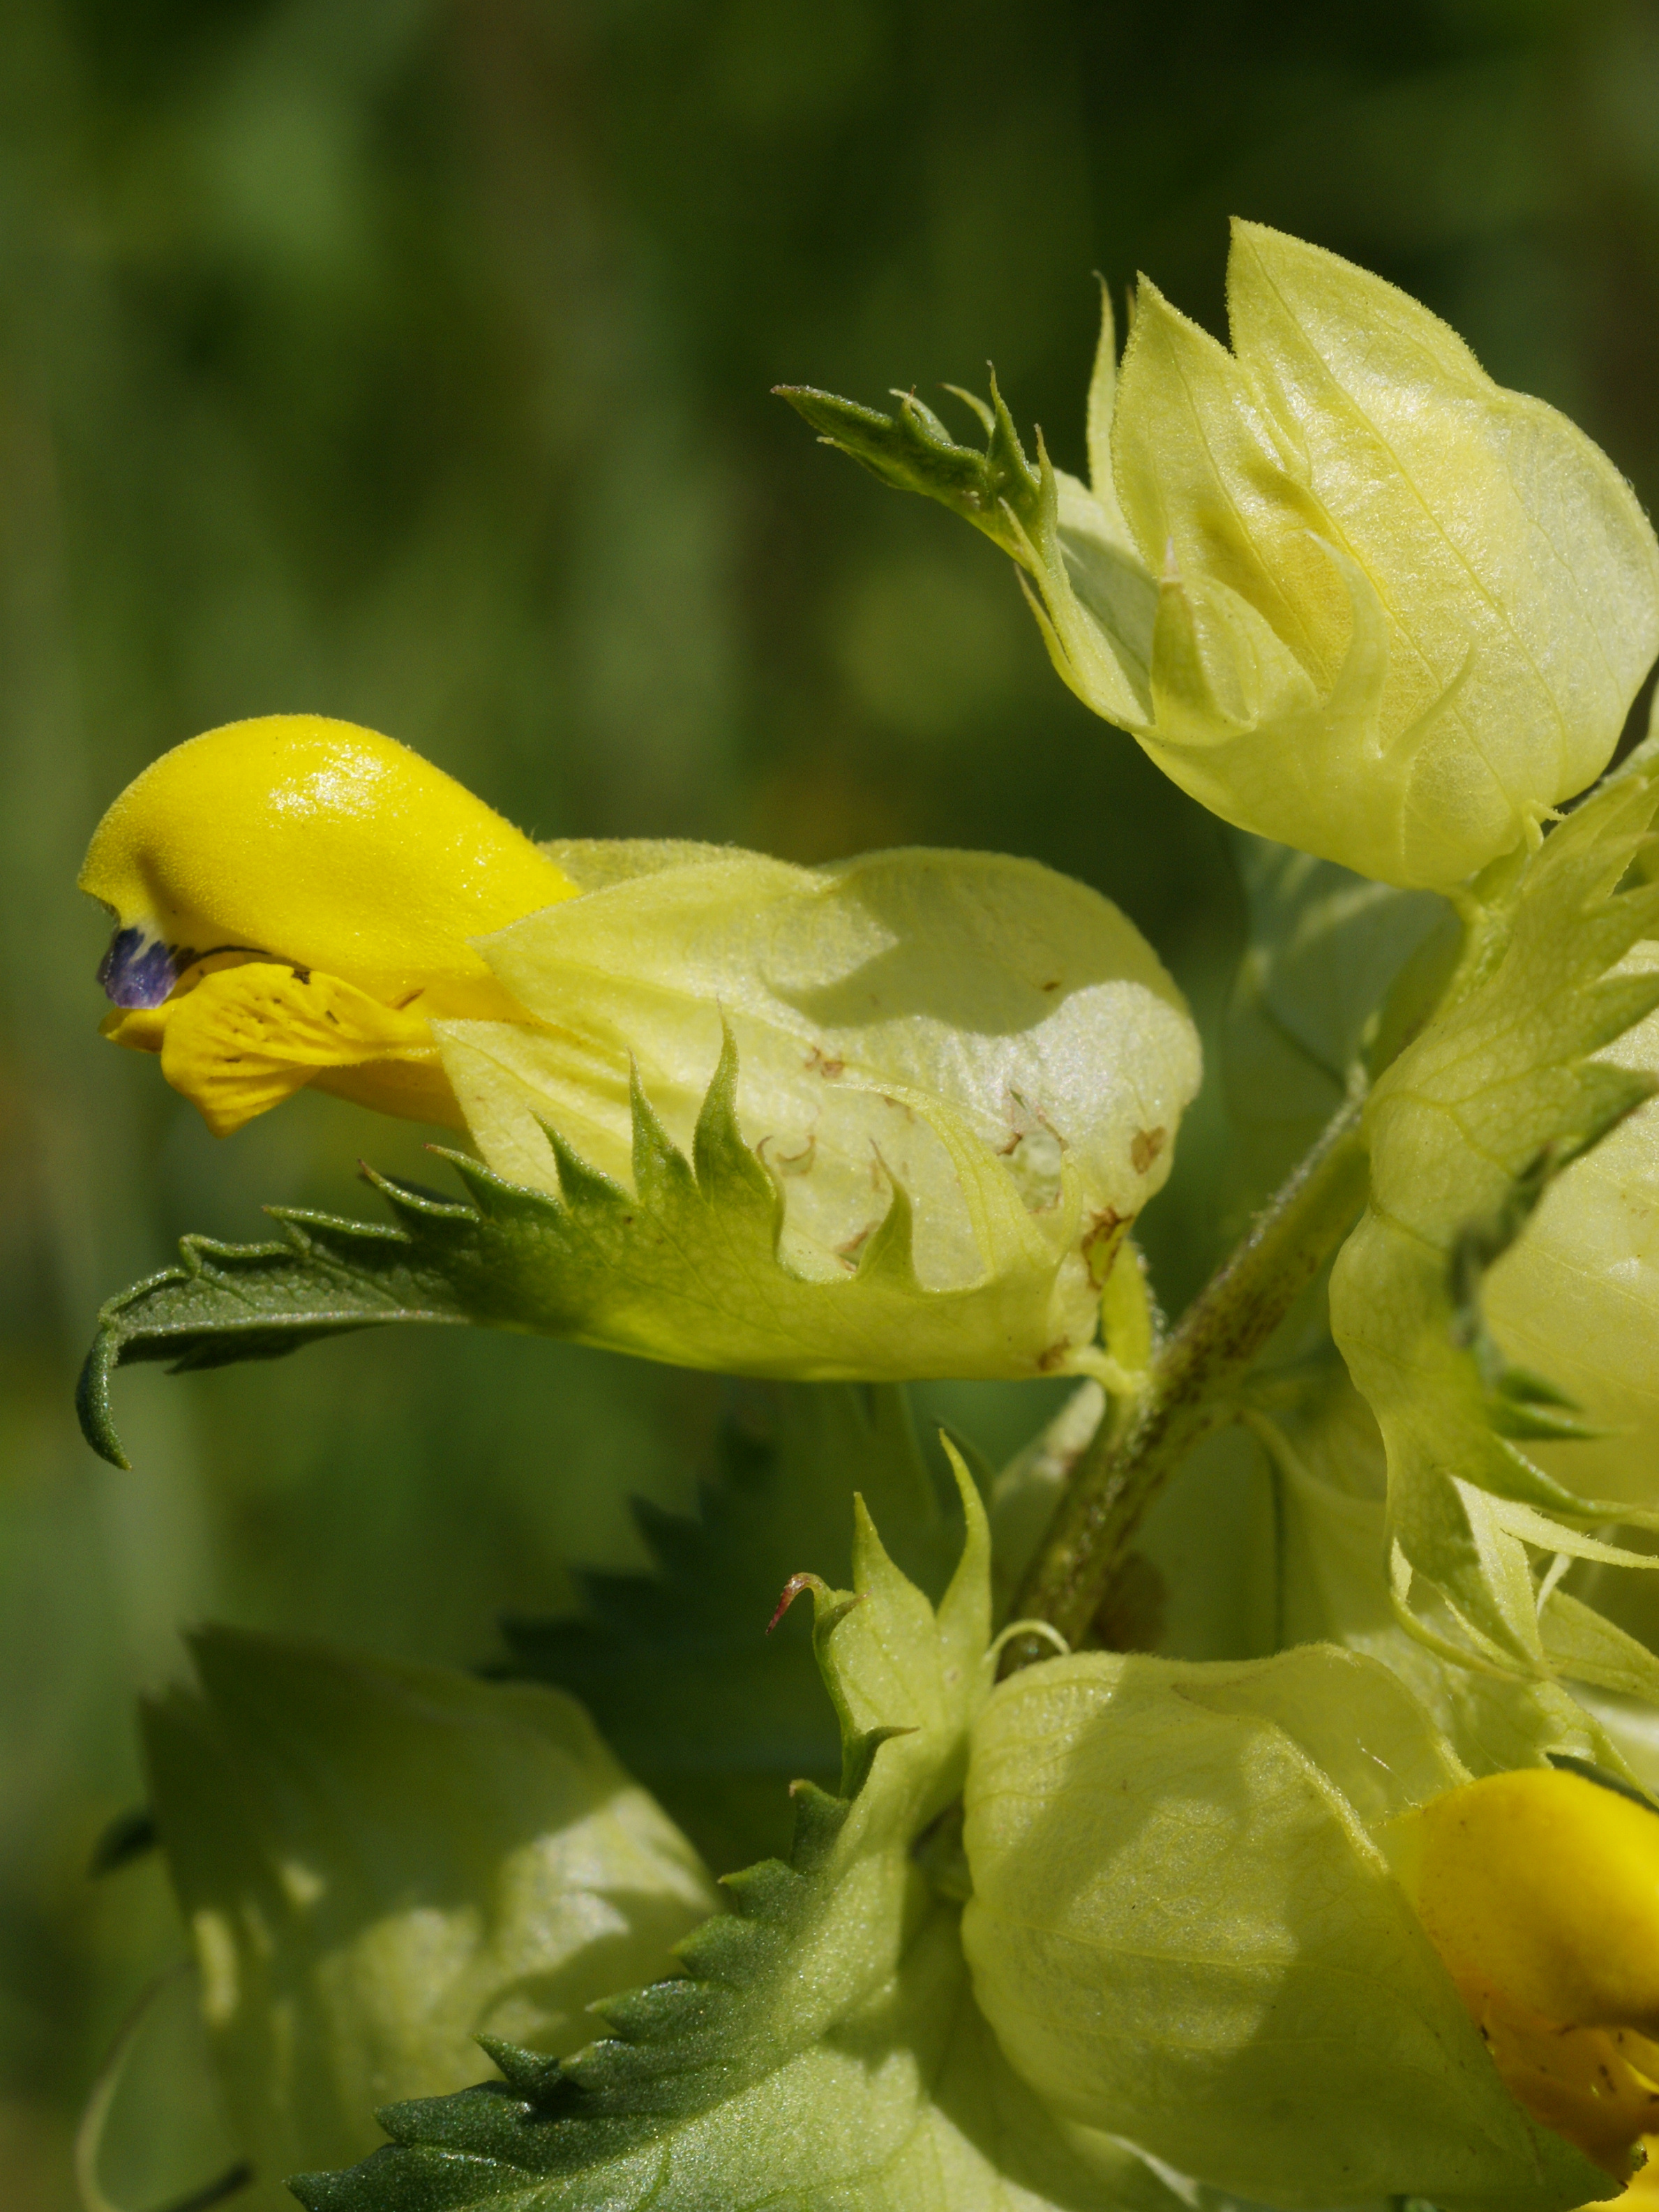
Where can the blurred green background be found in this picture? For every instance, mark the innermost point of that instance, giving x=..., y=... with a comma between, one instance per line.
x=409, y=361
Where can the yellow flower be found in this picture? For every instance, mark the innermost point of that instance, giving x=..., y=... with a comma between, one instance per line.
x=295, y=901
x=1540, y=1892
x=943, y=1084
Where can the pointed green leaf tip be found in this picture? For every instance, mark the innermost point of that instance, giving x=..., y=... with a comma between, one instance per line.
x=1343, y=588
x=998, y=490
x=879, y=1122
x=821, y=2048
x=1508, y=1085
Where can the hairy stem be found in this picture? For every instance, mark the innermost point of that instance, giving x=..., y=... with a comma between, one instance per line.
x=1189, y=1389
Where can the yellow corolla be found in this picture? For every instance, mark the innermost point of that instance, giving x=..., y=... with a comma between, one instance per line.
x=296, y=901
x=1540, y=1892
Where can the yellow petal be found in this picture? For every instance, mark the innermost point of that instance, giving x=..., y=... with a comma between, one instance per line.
x=247, y=1038
x=1540, y=1892
x=140, y=1028
x=317, y=843
x=1545, y=1887
x=1598, y=2087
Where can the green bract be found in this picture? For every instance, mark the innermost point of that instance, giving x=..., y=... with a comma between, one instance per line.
x=1184, y=1933
x=1502, y=1092
x=1345, y=590
x=715, y=1718
x=1329, y=1514
x=378, y=1863
x=822, y=2051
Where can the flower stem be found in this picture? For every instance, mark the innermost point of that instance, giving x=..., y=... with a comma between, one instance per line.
x=1188, y=1391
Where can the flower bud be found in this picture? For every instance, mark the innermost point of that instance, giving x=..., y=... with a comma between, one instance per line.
x=1402, y=613
x=379, y=1862
x=294, y=901
x=1343, y=589
x=1185, y=1933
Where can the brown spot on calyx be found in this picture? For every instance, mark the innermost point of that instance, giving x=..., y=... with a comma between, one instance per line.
x=828, y=1068
x=850, y=1250
x=1145, y=1146
x=1024, y=1120
x=1049, y=1360
x=1100, y=1242
x=788, y=1164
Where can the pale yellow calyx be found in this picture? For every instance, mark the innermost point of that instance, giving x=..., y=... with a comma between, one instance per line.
x=1346, y=590
x=1540, y=1892
x=295, y=900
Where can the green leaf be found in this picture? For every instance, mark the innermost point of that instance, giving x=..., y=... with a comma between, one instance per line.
x=377, y=1862
x=1589, y=1649
x=1184, y=1931
x=1468, y=1128
x=1578, y=1294
x=822, y=2049
x=714, y=1715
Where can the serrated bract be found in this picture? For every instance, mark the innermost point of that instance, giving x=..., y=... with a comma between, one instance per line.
x=1505, y=1089
x=820, y=2049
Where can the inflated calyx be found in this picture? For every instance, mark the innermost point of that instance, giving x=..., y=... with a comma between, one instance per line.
x=1345, y=589
x=1187, y=1932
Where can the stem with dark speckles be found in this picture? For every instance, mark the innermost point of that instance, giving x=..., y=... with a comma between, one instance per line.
x=1189, y=1389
